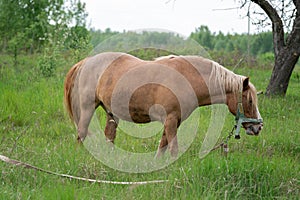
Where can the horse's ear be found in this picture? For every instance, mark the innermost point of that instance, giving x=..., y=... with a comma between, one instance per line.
x=246, y=83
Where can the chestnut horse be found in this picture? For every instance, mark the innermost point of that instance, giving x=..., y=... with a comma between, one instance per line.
x=167, y=89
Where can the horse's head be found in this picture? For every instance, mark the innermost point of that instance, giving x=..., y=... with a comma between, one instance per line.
x=244, y=106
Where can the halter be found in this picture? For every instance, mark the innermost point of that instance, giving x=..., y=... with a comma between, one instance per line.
x=240, y=117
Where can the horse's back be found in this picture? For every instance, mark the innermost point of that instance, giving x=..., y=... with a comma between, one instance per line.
x=91, y=70
x=94, y=66
x=131, y=88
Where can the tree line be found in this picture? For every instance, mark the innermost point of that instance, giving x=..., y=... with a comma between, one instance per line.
x=31, y=26
x=227, y=49
x=53, y=27
x=259, y=43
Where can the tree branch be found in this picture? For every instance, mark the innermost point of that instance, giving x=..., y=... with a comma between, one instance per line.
x=277, y=25
x=297, y=4
x=293, y=38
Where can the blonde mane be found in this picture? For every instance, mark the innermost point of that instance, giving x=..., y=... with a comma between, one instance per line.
x=232, y=82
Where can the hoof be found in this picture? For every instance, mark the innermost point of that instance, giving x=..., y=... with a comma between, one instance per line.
x=79, y=140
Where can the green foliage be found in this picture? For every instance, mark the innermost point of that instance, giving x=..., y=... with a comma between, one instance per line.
x=78, y=43
x=149, y=53
x=229, y=50
x=203, y=36
x=258, y=43
x=49, y=27
x=262, y=43
x=134, y=41
x=98, y=36
x=48, y=62
x=29, y=25
x=266, y=59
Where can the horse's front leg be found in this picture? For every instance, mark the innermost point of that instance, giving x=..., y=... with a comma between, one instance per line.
x=111, y=127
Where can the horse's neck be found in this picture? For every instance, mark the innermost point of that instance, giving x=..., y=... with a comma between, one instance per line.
x=221, y=83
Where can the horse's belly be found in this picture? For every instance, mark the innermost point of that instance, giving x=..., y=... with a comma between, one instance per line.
x=147, y=103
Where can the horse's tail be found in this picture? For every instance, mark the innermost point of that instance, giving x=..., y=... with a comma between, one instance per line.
x=69, y=95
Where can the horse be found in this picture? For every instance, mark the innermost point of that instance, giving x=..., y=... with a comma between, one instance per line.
x=167, y=89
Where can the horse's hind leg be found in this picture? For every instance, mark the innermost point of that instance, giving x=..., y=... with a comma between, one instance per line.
x=170, y=129
x=86, y=113
x=111, y=127
x=162, y=145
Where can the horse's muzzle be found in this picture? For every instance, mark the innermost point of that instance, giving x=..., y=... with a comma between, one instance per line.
x=253, y=129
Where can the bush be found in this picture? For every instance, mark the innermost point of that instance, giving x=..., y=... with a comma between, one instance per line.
x=48, y=63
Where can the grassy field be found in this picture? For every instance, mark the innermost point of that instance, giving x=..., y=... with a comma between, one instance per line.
x=34, y=128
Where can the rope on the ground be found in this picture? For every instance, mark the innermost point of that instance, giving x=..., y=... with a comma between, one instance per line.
x=26, y=165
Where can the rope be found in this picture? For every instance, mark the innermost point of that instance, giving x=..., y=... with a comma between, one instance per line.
x=18, y=163
x=28, y=166
x=224, y=144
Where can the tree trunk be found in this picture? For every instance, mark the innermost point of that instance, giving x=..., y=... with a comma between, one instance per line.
x=287, y=51
x=284, y=64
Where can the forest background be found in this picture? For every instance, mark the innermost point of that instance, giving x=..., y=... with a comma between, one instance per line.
x=53, y=30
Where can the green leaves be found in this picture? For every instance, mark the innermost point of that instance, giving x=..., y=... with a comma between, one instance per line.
x=259, y=43
x=39, y=22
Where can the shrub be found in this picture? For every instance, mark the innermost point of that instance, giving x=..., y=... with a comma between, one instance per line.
x=48, y=63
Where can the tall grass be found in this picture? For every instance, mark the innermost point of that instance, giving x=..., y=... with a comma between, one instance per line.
x=34, y=128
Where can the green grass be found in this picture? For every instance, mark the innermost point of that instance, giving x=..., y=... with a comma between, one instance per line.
x=35, y=128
